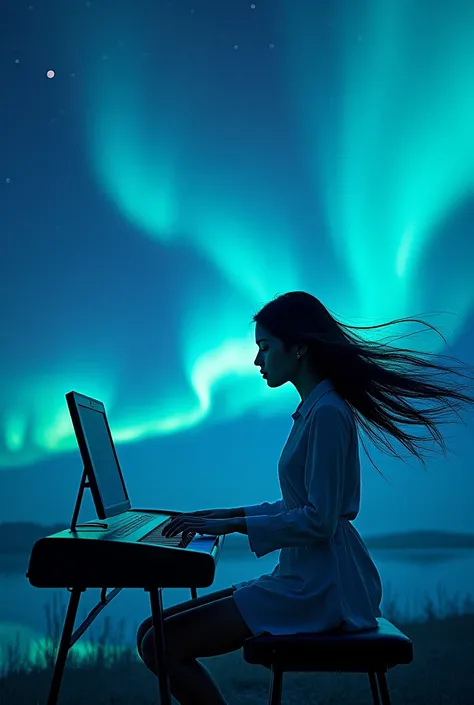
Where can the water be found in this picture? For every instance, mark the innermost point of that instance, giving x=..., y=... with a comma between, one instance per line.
x=408, y=576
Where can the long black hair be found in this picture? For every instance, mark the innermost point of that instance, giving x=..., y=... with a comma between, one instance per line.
x=376, y=379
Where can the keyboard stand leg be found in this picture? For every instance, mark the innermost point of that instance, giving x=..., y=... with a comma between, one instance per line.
x=64, y=645
x=156, y=601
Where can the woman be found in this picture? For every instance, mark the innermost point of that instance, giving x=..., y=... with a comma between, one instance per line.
x=325, y=578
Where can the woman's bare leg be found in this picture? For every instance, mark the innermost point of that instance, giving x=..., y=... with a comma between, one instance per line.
x=177, y=609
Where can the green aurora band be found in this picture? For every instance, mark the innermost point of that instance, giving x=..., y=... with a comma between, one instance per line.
x=389, y=166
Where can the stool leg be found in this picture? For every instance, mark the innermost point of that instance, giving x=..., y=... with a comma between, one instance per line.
x=383, y=688
x=374, y=689
x=276, y=686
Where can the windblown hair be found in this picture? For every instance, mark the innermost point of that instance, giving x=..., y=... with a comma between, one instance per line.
x=376, y=379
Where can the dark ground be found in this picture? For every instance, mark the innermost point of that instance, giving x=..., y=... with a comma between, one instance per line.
x=442, y=673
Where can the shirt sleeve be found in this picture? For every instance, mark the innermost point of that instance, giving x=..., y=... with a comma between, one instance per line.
x=324, y=474
x=267, y=508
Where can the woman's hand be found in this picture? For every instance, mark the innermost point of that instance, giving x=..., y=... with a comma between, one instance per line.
x=185, y=523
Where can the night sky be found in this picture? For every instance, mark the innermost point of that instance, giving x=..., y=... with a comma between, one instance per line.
x=166, y=168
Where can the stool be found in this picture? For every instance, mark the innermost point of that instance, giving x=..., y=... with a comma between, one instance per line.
x=373, y=652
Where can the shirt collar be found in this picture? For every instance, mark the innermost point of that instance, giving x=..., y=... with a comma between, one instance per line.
x=305, y=407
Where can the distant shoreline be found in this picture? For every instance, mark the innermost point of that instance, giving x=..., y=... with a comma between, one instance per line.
x=19, y=537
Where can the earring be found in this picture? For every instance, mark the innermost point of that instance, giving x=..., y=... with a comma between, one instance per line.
x=298, y=355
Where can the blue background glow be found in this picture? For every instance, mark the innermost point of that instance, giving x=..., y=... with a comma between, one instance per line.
x=187, y=163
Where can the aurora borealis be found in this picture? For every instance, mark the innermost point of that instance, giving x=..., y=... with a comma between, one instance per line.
x=250, y=151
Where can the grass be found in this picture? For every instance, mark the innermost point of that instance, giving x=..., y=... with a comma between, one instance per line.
x=109, y=673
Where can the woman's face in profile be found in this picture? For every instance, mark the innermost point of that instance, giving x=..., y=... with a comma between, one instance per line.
x=277, y=365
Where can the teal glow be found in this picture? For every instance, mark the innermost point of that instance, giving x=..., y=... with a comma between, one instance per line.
x=402, y=158
x=391, y=157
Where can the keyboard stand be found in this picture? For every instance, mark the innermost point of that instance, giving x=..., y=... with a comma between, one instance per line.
x=68, y=639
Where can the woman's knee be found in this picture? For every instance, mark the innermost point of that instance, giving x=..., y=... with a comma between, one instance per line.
x=144, y=627
x=147, y=624
x=148, y=646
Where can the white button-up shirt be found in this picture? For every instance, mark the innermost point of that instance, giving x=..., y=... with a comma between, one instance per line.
x=325, y=578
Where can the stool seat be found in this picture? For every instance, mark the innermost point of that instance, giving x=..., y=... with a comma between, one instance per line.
x=356, y=652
